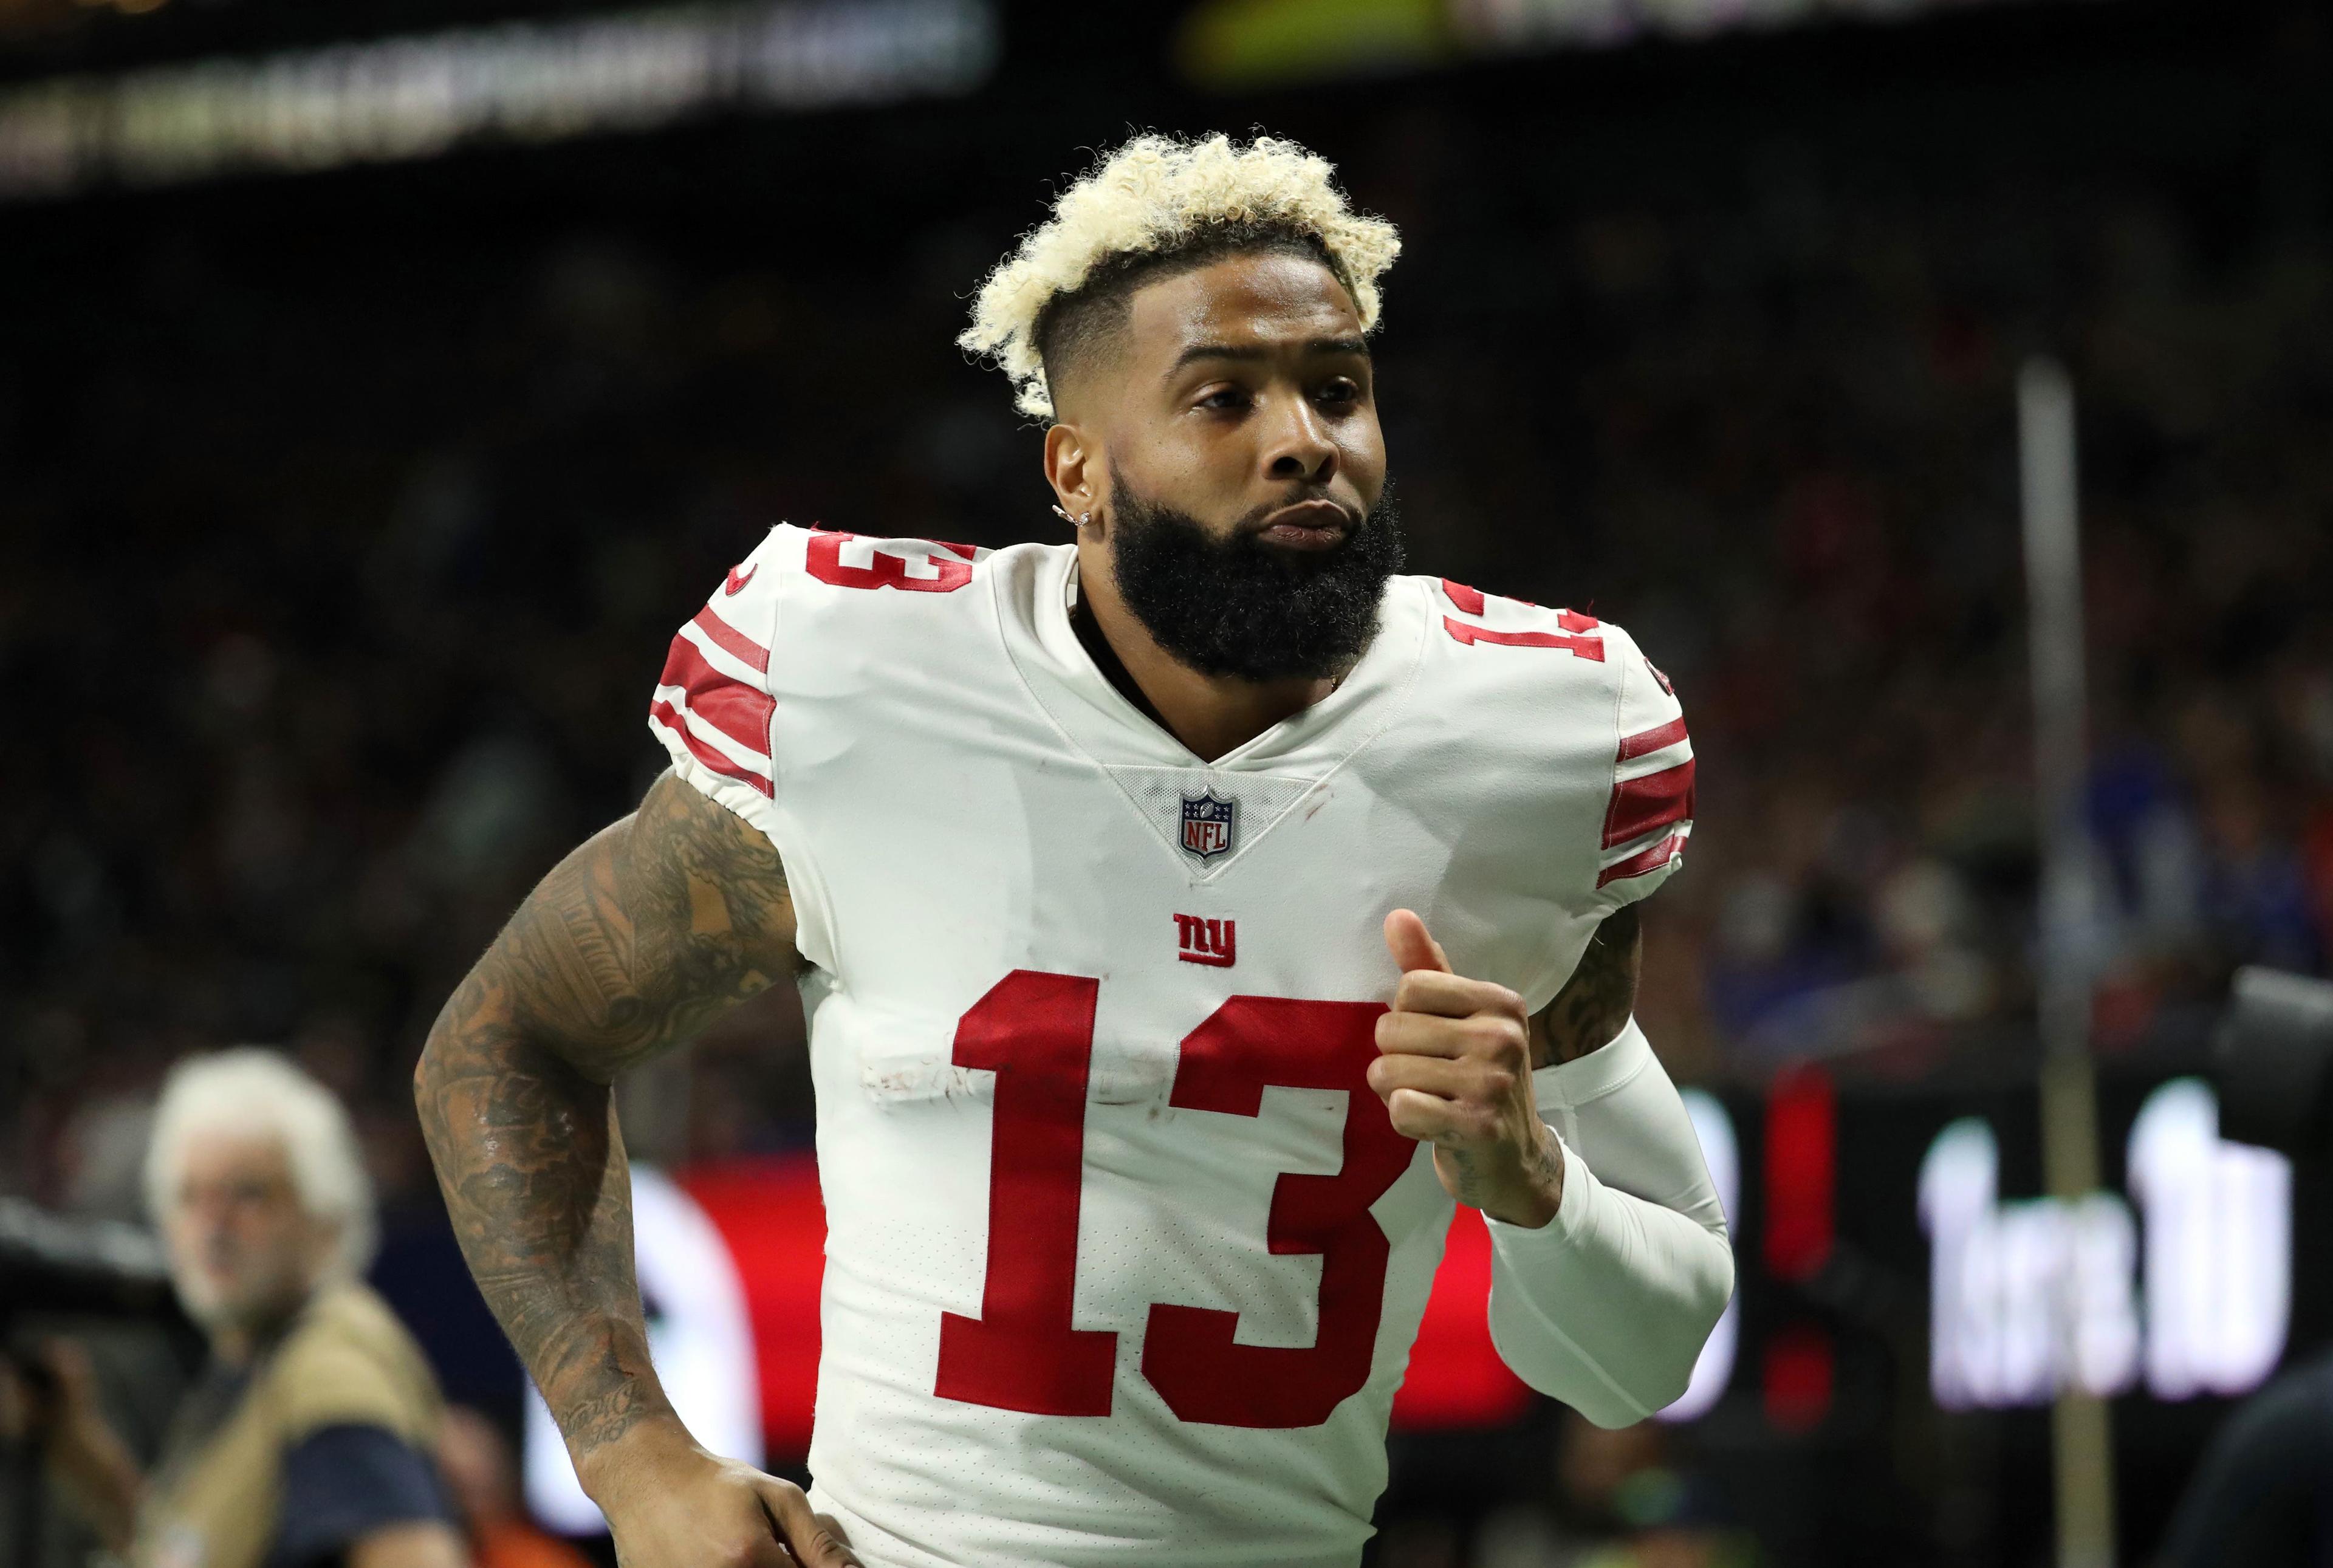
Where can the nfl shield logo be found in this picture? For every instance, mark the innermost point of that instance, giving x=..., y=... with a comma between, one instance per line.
x=1210, y=824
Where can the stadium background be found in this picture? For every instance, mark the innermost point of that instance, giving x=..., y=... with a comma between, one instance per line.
x=345, y=513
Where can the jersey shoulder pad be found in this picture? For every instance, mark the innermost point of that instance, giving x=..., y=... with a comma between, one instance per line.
x=1651, y=814
x=1620, y=716
x=712, y=705
x=859, y=561
x=1472, y=618
x=809, y=606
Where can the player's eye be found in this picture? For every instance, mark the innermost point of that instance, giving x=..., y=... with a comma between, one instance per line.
x=1342, y=392
x=1225, y=398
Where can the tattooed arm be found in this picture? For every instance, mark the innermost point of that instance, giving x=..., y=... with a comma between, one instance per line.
x=649, y=931
x=1595, y=1004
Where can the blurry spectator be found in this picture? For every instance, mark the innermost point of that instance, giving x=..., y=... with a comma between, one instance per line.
x=1621, y=1502
x=483, y=1481
x=1635, y=1507
x=310, y=1438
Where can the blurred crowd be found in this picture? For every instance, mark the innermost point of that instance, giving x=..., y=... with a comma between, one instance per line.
x=1791, y=439
x=335, y=572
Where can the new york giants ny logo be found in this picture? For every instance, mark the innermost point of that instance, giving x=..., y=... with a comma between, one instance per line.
x=1211, y=942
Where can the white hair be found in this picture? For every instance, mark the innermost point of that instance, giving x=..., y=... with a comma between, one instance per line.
x=250, y=1091
x=1150, y=197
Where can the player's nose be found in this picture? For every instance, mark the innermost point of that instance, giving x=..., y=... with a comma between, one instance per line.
x=1299, y=448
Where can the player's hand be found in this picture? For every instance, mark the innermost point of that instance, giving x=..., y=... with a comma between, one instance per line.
x=1454, y=1069
x=671, y=1505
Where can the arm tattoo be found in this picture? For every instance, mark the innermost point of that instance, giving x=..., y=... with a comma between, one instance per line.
x=1595, y=1002
x=652, y=929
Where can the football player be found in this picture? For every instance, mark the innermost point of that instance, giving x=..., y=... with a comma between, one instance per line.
x=1188, y=917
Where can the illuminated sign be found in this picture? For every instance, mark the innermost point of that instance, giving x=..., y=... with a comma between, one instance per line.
x=417, y=97
x=2031, y=1297
x=1233, y=45
x=2002, y=1274
x=2219, y=1246
x=1522, y=23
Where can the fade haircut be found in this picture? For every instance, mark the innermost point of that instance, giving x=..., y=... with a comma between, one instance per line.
x=1157, y=206
x=250, y=1091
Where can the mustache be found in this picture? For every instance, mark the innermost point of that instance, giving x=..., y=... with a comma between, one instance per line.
x=1253, y=521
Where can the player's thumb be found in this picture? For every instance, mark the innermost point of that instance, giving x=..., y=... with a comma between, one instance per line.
x=1411, y=945
x=816, y=1540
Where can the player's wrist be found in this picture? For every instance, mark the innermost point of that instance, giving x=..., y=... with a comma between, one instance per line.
x=1534, y=1196
x=647, y=1448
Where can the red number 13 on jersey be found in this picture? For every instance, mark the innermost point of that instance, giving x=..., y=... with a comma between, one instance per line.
x=1035, y=1031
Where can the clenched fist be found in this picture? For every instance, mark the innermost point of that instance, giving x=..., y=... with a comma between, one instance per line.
x=1453, y=1069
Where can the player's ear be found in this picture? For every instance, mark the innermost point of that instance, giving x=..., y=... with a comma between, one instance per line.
x=1072, y=470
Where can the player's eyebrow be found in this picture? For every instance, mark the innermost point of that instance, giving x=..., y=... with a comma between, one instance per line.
x=1252, y=352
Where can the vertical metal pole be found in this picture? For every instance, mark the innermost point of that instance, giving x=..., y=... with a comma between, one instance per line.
x=2082, y=1445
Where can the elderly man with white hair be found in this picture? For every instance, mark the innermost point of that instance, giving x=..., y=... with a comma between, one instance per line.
x=310, y=1436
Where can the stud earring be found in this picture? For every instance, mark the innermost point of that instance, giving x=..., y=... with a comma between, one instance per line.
x=1079, y=521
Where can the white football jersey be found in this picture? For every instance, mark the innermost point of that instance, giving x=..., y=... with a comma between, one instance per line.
x=1124, y=1257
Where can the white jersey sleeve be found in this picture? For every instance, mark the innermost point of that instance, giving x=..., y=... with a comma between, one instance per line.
x=1578, y=790
x=1607, y=1306
x=1651, y=814
x=722, y=704
x=713, y=705
x=718, y=713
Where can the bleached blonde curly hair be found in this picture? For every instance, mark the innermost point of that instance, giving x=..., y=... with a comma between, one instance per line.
x=1152, y=198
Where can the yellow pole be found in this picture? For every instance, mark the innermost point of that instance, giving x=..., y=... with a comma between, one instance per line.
x=2081, y=1439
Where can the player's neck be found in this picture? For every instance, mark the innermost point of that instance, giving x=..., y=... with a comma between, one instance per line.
x=1210, y=713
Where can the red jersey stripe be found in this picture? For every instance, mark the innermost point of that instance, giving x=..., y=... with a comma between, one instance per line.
x=1643, y=860
x=1652, y=740
x=1469, y=600
x=730, y=640
x=1642, y=805
x=1580, y=647
x=723, y=701
x=666, y=714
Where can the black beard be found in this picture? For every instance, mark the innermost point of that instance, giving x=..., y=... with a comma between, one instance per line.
x=1239, y=607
